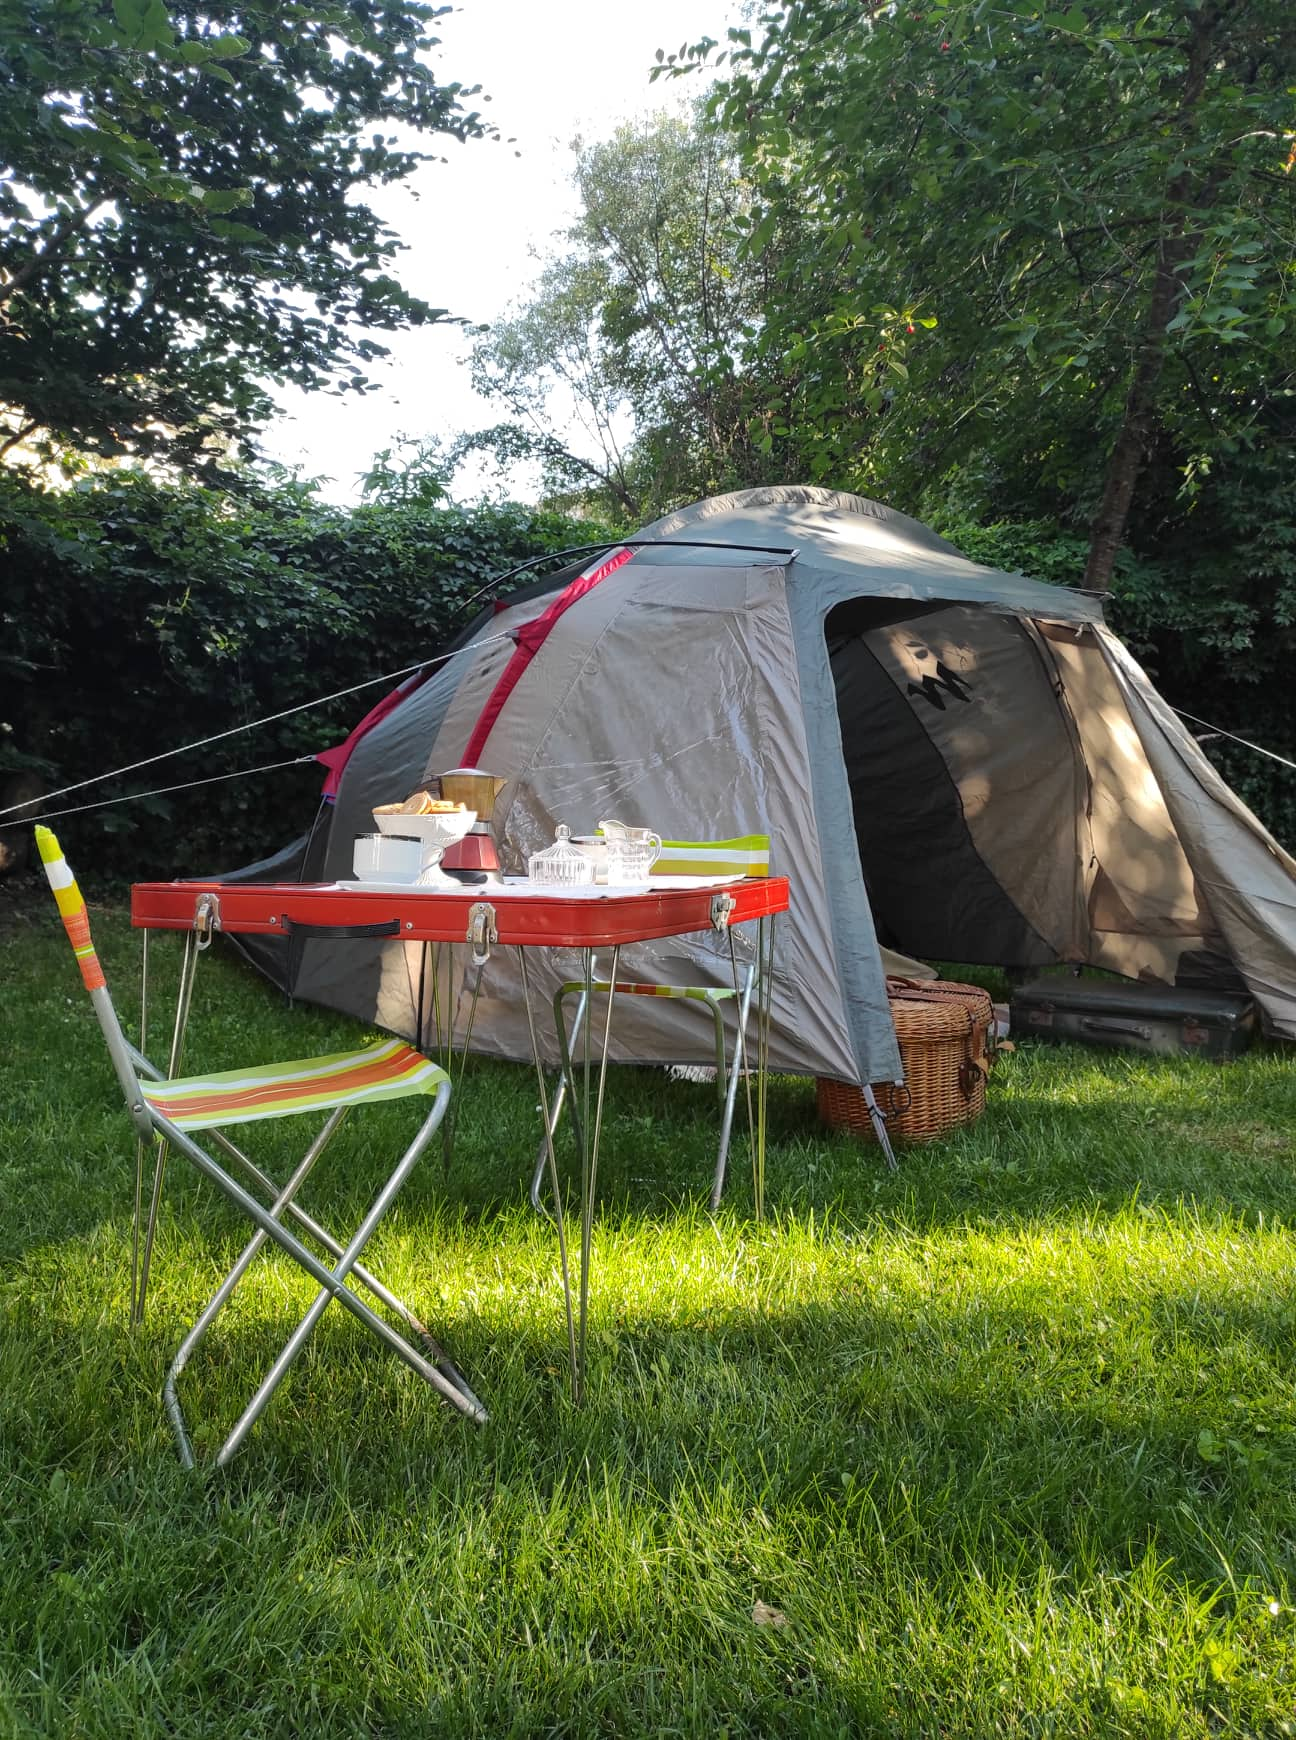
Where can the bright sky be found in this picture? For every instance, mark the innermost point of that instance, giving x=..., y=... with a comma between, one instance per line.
x=552, y=72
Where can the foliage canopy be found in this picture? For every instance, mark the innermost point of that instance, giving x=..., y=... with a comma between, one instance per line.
x=1050, y=237
x=637, y=331
x=178, y=215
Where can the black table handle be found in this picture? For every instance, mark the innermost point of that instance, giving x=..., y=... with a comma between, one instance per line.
x=338, y=932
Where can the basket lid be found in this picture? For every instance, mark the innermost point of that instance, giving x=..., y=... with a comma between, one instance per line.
x=937, y=1008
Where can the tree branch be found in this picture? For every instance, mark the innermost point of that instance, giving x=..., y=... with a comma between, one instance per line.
x=19, y=435
x=62, y=232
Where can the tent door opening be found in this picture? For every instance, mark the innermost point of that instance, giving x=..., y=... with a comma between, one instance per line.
x=913, y=717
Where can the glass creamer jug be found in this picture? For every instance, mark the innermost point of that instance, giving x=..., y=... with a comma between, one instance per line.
x=631, y=853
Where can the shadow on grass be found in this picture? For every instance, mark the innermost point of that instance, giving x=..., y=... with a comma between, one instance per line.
x=902, y=1440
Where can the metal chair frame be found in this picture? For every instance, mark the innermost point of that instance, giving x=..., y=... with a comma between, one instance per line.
x=133, y=1069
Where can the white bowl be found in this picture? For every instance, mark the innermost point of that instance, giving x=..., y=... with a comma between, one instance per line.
x=446, y=828
x=386, y=858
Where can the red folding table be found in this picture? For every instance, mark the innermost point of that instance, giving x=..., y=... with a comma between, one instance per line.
x=482, y=918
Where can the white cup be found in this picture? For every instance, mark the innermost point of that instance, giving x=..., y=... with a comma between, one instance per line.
x=387, y=858
x=595, y=848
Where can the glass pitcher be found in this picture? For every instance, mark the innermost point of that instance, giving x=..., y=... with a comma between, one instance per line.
x=631, y=853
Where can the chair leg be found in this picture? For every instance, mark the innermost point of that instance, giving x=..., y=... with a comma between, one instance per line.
x=328, y=1279
x=292, y=1211
x=560, y=1096
x=342, y=1268
x=188, y=972
x=731, y=1090
x=170, y=1393
x=722, y=1071
x=370, y=1282
x=137, y=1221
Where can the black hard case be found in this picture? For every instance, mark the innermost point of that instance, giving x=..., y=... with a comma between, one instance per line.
x=1166, y=1019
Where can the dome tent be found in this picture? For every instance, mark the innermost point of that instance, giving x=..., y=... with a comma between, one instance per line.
x=955, y=762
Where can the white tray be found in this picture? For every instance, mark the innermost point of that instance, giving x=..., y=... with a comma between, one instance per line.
x=601, y=891
x=522, y=885
x=386, y=885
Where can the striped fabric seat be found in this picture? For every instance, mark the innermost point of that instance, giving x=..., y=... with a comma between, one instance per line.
x=747, y=855
x=346, y=1078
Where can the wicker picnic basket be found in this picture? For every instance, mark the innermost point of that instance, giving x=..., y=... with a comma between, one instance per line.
x=944, y=1034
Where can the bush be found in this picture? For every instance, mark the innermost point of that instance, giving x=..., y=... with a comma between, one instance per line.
x=137, y=616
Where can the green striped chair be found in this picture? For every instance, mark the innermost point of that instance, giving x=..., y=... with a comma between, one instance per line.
x=171, y=1111
x=747, y=855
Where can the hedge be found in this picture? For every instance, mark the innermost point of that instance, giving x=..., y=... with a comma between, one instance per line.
x=136, y=616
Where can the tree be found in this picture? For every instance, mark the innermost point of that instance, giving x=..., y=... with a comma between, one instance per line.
x=1045, y=241
x=178, y=220
x=633, y=336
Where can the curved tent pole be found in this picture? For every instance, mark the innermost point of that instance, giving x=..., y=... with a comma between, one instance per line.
x=629, y=543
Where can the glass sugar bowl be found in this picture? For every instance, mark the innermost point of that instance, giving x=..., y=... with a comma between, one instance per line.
x=562, y=865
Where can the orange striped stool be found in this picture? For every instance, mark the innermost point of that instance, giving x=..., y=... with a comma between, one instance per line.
x=167, y=1112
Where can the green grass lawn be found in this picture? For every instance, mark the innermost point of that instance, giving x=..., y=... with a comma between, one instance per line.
x=1009, y=1438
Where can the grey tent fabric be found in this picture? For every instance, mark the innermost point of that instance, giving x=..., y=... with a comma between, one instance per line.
x=951, y=762
x=1249, y=881
x=848, y=547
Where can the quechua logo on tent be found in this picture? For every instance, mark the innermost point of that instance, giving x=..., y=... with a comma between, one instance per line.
x=934, y=687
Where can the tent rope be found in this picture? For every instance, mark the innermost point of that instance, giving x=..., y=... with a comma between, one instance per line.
x=299, y=760
x=251, y=725
x=1232, y=735
x=134, y=797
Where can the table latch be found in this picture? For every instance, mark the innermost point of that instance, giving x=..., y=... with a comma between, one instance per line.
x=482, y=931
x=207, y=918
x=722, y=910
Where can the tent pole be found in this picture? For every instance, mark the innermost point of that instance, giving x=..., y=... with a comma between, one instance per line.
x=879, y=1125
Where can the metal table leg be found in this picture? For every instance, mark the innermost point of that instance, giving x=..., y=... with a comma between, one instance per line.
x=765, y=985
x=560, y=1220
x=589, y=1153
x=444, y=1014
x=590, y=1123
x=561, y=1091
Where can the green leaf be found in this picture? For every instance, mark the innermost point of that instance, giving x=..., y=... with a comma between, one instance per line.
x=763, y=234
x=130, y=15
x=222, y=199
x=155, y=28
